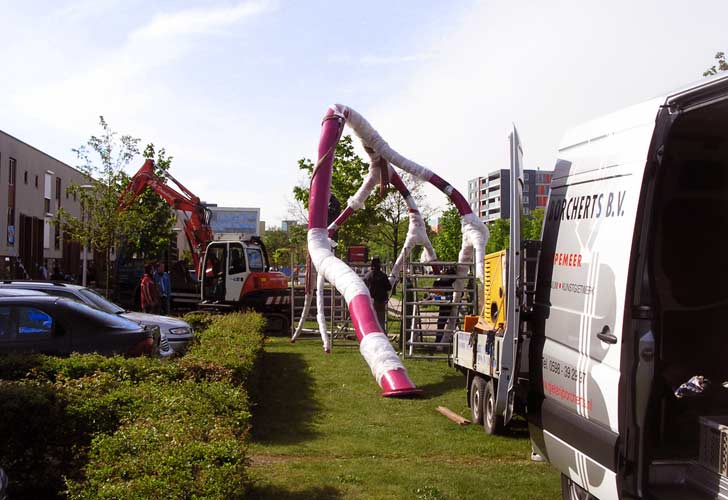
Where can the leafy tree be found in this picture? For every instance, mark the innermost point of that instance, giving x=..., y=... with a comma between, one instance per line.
x=448, y=239
x=721, y=66
x=145, y=227
x=531, y=224
x=500, y=235
x=277, y=244
x=103, y=158
x=500, y=230
x=155, y=218
x=394, y=219
x=347, y=176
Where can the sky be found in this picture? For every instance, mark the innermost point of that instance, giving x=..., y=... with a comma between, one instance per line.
x=235, y=90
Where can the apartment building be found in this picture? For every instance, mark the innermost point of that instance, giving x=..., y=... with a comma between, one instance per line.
x=32, y=189
x=489, y=196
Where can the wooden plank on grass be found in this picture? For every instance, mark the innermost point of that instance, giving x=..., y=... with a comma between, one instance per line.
x=453, y=416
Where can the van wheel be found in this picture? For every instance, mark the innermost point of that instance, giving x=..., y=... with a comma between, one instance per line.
x=477, y=395
x=572, y=491
x=492, y=423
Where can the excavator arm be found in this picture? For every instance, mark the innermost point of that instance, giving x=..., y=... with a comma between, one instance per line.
x=196, y=225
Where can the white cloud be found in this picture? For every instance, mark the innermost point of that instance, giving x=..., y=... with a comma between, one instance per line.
x=379, y=60
x=544, y=67
x=371, y=60
x=197, y=21
x=123, y=83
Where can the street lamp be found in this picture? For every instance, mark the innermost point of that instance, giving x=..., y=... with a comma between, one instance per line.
x=85, y=243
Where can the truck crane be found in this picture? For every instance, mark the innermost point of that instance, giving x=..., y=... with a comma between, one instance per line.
x=233, y=269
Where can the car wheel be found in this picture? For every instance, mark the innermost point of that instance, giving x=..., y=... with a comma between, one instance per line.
x=572, y=491
x=477, y=393
x=492, y=423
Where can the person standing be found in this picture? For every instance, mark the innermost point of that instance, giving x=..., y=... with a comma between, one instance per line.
x=161, y=279
x=445, y=310
x=379, y=287
x=150, y=297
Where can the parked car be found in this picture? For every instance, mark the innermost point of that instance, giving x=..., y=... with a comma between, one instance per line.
x=177, y=332
x=32, y=321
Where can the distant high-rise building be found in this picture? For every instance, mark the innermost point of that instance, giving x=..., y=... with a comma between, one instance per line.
x=489, y=196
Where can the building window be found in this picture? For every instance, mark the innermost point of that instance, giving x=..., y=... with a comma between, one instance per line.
x=58, y=192
x=11, y=171
x=11, y=226
x=25, y=177
x=57, y=237
x=47, y=195
x=525, y=199
x=36, y=181
x=525, y=188
x=11, y=201
x=525, y=176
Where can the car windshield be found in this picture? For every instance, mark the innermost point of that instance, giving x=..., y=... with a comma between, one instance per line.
x=100, y=301
x=99, y=317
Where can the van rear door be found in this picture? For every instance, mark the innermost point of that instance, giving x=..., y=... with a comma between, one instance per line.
x=577, y=377
x=509, y=369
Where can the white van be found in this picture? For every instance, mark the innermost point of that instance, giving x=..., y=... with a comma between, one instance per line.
x=631, y=302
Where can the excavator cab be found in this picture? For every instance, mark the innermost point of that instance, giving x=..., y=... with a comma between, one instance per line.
x=234, y=269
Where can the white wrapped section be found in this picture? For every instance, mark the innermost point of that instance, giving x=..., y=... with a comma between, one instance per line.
x=304, y=313
x=475, y=236
x=475, y=233
x=320, y=313
x=334, y=271
x=356, y=202
x=379, y=355
x=416, y=235
x=370, y=137
x=465, y=256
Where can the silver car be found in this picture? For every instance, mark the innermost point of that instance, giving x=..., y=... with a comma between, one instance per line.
x=176, y=332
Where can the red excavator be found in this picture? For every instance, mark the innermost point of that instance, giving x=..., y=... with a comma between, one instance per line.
x=234, y=272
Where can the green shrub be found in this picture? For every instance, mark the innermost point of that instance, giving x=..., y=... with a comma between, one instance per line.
x=132, y=428
x=187, y=441
x=200, y=320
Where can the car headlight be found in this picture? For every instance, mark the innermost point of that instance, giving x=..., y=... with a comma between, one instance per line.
x=181, y=330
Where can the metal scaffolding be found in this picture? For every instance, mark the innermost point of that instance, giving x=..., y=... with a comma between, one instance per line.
x=429, y=315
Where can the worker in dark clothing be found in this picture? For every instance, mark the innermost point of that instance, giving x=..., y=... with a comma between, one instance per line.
x=444, y=281
x=379, y=287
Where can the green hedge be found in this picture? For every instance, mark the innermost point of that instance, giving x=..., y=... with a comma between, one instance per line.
x=88, y=426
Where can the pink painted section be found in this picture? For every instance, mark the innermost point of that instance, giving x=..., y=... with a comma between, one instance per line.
x=397, y=383
x=321, y=184
x=396, y=181
x=363, y=316
x=458, y=200
x=348, y=211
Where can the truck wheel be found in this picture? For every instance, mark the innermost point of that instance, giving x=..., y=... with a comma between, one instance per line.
x=492, y=423
x=572, y=491
x=477, y=395
x=277, y=324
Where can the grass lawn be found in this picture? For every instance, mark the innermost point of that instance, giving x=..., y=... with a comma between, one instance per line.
x=321, y=431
